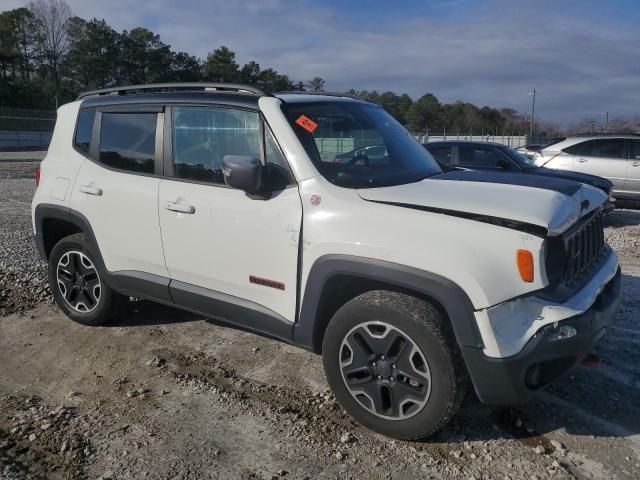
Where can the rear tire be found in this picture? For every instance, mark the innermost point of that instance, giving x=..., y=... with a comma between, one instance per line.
x=77, y=284
x=393, y=365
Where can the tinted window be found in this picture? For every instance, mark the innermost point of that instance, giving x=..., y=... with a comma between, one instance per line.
x=611, y=148
x=521, y=160
x=203, y=136
x=278, y=174
x=127, y=141
x=635, y=150
x=333, y=134
x=84, y=129
x=478, y=157
x=442, y=154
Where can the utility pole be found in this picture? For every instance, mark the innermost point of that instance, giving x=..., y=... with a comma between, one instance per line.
x=533, y=109
x=606, y=123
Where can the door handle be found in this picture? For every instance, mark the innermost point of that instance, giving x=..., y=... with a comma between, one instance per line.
x=179, y=207
x=89, y=190
x=635, y=164
x=582, y=160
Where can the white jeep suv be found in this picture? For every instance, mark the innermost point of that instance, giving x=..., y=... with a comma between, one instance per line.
x=411, y=283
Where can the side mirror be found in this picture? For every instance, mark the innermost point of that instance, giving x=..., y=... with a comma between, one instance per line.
x=242, y=172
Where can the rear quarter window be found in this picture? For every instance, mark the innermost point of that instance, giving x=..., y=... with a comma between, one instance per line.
x=84, y=129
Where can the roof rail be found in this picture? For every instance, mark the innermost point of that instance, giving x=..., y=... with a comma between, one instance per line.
x=328, y=94
x=218, y=87
x=605, y=134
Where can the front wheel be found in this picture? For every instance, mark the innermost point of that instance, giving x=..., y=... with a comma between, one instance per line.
x=77, y=286
x=392, y=364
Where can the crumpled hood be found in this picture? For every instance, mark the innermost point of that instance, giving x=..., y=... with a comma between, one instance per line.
x=552, y=203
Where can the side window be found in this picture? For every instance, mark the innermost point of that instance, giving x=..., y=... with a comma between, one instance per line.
x=611, y=148
x=577, y=148
x=84, y=128
x=635, y=150
x=442, y=154
x=478, y=157
x=273, y=154
x=127, y=141
x=278, y=174
x=202, y=136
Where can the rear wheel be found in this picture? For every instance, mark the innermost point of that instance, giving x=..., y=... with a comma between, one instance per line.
x=77, y=286
x=391, y=366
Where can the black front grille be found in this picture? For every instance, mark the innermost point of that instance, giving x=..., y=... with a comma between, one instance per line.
x=584, y=247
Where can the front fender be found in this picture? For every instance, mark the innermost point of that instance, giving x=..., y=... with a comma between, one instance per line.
x=459, y=309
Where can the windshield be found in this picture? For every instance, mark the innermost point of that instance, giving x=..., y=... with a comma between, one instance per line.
x=522, y=160
x=358, y=145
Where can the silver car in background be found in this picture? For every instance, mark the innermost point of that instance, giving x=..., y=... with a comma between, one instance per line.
x=615, y=157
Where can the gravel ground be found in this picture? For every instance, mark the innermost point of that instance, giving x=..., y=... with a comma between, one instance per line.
x=166, y=394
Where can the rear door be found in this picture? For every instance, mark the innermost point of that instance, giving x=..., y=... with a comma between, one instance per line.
x=604, y=157
x=117, y=186
x=632, y=185
x=217, y=239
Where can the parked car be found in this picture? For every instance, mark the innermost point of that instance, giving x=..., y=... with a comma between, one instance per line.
x=409, y=281
x=614, y=157
x=373, y=153
x=497, y=157
x=530, y=149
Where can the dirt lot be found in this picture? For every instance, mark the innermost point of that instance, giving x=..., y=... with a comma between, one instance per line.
x=166, y=394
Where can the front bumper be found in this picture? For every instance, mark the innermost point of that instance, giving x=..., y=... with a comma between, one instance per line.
x=512, y=380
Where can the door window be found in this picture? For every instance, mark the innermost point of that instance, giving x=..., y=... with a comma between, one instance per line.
x=127, y=141
x=635, y=150
x=479, y=157
x=203, y=136
x=606, y=148
x=442, y=154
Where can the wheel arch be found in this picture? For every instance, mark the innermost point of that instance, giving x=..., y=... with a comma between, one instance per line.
x=54, y=222
x=335, y=279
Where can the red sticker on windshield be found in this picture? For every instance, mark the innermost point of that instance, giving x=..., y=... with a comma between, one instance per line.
x=306, y=123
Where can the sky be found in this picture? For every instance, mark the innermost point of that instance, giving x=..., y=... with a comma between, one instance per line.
x=581, y=56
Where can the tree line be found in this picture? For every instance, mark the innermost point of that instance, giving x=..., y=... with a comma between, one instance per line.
x=48, y=56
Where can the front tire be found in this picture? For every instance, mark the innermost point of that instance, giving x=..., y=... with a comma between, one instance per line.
x=77, y=285
x=392, y=364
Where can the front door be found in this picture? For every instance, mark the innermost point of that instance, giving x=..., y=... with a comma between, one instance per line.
x=605, y=158
x=219, y=240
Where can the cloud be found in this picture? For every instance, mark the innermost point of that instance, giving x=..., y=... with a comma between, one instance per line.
x=580, y=60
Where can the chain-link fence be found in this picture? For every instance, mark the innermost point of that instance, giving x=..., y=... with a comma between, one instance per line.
x=25, y=129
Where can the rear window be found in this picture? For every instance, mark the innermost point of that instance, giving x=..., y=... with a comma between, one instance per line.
x=84, y=129
x=127, y=141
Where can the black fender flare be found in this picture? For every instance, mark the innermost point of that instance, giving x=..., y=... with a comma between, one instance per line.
x=127, y=282
x=448, y=294
x=45, y=211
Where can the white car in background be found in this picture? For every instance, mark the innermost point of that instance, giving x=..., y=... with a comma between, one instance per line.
x=615, y=157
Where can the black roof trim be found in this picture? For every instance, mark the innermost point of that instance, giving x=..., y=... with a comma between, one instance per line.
x=208, y=98
x=205, y=86
x=326, y=94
